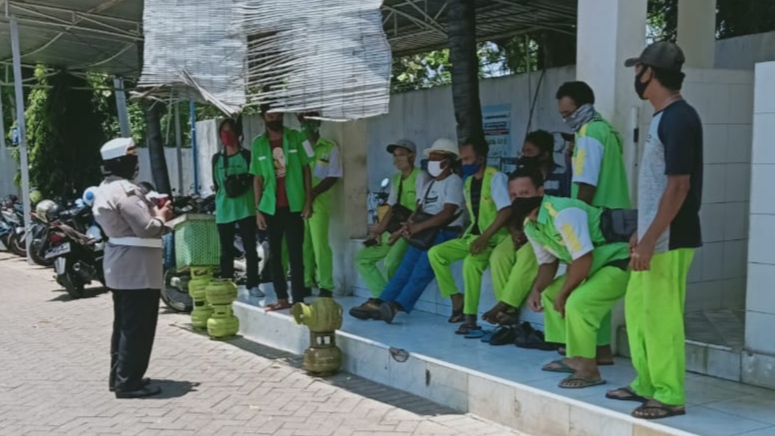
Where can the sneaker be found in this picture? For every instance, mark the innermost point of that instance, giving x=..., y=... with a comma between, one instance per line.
x=367, y=310
x=256, y=293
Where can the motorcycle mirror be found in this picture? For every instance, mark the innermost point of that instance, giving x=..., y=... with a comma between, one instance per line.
x=385, y=182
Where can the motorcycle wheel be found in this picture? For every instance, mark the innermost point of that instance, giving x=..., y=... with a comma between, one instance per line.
x=17, y=245
x=37, y=257
x=72, y=284
x=174, y=298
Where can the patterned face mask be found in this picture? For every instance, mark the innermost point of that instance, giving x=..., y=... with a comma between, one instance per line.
x=583, y=115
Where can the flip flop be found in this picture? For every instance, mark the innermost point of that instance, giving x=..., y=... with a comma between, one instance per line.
x=476, y=334
x=487, y=336
x=560, y=367
x=466, y=329
x=629, y=395
x=584, y=383
x=274, y=307
x=647, y=410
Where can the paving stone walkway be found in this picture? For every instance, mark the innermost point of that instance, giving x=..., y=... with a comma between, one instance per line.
x=54, y=366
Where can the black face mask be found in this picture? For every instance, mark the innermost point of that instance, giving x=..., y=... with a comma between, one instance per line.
x=529, y=161
x=275, y=126
x=522, y=207
x=640, y=87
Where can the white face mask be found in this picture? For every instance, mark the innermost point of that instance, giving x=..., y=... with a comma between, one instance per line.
x=434, y=168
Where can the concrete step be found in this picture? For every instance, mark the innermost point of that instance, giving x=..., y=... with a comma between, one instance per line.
x=502, y=384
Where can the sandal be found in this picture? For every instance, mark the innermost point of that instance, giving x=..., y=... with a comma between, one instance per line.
x=487, y=337
x=476, y=334
x=580, y=383
x=456, y=317
x=656, y=410
x=274, y=307
x=558, y=366
x=625, y=394
x=466, y=329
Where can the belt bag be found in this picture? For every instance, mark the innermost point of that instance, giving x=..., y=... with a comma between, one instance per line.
x=618, y=225
x=132, y=241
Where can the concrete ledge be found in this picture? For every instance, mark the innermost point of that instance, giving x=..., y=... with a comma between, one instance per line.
x=525, y=408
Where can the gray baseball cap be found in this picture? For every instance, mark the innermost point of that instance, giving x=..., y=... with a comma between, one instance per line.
x=403, y=143
x=665, y=55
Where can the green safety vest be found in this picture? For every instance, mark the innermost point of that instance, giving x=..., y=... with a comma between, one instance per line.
x=488, y=211
x=544, y=233
x=322, y=156
x=408, y=189
x=612, y=188
x=295, y=159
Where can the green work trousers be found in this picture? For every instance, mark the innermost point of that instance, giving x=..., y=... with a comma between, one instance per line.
x=654, y=311
x=513, y=272
x=444, y=255
x=318, y=258
x=587, y=311
x=367, y=258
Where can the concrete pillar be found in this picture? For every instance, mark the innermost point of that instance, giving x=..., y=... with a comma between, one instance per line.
x=348, y=215
x=759, y=360
x=609, y=32
x=697, y=32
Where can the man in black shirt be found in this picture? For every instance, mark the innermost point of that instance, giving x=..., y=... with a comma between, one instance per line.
x=669, y=197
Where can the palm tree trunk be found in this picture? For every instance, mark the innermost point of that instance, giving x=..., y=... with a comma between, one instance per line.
x=461, y=31
x=161, y=177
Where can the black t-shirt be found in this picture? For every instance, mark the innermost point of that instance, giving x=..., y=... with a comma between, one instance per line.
x=679, y=131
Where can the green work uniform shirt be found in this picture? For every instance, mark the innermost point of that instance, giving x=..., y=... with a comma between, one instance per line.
x=598, y=160
x=567, y=229
x=325, y=164
x=266, y=164
x=229, y=210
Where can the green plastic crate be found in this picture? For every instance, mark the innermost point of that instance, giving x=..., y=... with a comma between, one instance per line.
x=196, y=241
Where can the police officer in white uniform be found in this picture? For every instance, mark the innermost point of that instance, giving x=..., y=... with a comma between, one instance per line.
x=133, y=267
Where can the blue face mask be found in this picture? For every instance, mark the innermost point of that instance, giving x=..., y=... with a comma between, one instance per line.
x=470, y=169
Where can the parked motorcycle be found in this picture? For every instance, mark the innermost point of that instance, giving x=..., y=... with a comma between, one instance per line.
x=77, y=256
x=377, y=202
x=78, y=216
x=12, y=214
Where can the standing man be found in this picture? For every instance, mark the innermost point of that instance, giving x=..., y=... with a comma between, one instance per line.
x=599, y=174
x=235, y=207
x=487, y=199
x=326, y=169
x=574, y=304
x=283, y=194
x=669, y=198
x=403, y=193
x=133, y=267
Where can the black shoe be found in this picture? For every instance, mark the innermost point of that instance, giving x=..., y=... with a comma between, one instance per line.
x=388, y=311
x=367, y=310
x=144, y=383
x=325, y=294
x=307, y=292
x=147, y=391
x=503, y=335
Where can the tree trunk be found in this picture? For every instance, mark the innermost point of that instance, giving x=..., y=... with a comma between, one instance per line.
x=161, y=178
x=461, y=31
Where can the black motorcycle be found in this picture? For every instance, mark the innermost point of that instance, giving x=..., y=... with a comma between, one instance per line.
x=77, y=258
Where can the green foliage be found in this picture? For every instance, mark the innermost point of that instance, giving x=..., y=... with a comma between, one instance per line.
x=64, y=133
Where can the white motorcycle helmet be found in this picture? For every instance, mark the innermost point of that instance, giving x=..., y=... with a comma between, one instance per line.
x=88, y=195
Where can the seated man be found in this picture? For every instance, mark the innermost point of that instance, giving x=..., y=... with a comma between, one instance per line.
x=441, y=199
x=406, y=185
x=575, y=304
x=487, y=200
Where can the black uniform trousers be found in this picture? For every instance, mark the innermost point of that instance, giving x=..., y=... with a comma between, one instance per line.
x=248, y=231
x=291, y=225
x=135, y=314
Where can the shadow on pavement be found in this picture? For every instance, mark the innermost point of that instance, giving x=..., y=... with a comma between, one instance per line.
x=64, y=297
x=173, y=388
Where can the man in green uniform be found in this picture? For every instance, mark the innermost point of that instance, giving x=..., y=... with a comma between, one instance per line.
x=599, y=174
x=669, y=199
x=567, y=230
x=487, y=200
x=381, y=244
x=326, y=169
x=283, y=191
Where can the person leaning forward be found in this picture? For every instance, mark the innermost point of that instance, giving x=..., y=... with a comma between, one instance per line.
x=574, y=304
x=132, y=265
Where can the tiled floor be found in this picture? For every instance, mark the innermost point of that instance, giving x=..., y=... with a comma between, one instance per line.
x=724, y=327
x=715, y=406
